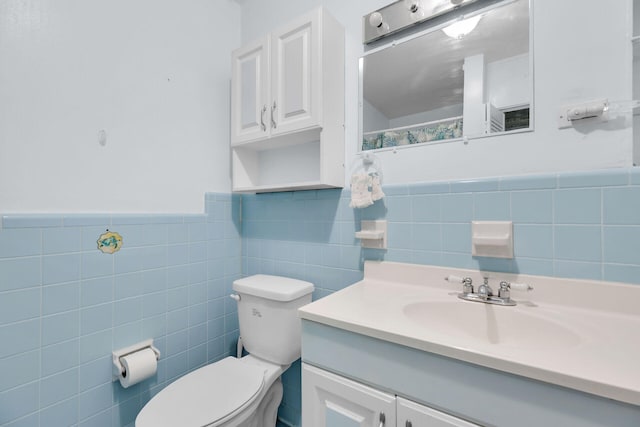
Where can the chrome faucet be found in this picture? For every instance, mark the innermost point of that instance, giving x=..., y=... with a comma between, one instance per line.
x=485, y=293
x=484, y=290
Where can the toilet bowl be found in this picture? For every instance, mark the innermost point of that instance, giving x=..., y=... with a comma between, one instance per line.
x=229, y=393
x=243, y=392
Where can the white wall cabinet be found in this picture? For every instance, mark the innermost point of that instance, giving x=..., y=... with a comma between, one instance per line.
x=330, y=400
x=287, y=108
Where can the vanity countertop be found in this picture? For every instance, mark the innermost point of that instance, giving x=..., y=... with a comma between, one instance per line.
x=580, y=334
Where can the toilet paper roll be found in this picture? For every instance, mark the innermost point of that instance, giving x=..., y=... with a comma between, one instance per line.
x=138, y=366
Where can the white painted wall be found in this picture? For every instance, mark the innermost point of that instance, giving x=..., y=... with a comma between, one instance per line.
x=153, y=73
x=581, y=52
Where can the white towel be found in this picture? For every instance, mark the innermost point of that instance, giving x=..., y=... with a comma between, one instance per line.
x=376, y=188
x=360, y=191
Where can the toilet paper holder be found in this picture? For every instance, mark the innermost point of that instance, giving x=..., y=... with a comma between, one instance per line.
x=118, y=369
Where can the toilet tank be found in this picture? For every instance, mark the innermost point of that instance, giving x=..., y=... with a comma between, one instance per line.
x=267, y=312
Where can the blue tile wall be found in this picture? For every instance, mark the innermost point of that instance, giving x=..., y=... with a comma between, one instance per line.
x=579, y=225
x=64, y=306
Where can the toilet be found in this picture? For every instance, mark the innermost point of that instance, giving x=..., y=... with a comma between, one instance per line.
x=242, y=392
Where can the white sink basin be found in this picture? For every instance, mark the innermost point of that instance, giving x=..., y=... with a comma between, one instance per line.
x=491, y=324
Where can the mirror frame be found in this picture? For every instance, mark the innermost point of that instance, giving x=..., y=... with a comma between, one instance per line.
x=448, y=20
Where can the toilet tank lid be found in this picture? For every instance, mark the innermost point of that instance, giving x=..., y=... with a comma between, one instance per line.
x=275, y=288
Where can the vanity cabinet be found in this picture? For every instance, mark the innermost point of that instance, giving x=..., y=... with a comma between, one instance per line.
x=330, y=400
x=287, y=107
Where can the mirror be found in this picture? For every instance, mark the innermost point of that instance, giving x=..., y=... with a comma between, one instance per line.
x=466, y=78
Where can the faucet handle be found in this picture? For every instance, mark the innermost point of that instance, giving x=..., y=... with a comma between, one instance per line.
x=455, y=279
x=504, y=291
x=520, y=287
x=467, y=283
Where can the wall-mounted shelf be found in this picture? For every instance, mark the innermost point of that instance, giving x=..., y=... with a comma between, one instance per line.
x=373, y=234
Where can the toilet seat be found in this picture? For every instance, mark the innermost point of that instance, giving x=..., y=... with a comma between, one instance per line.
x=205, y=396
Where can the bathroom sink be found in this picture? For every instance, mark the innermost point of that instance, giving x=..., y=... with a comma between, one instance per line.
x=491, y=324
x=575, y=333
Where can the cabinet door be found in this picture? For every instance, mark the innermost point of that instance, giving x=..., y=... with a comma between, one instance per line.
x=411, y=414
x=329, y=400
x=250, y=92
x=295, y=82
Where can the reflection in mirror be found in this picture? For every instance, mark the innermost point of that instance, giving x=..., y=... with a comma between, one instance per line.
x=468, y=78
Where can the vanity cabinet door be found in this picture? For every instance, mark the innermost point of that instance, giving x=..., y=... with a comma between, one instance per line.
x=411, y=414
x=250, y=92
x=329, y=400
x=295, y=64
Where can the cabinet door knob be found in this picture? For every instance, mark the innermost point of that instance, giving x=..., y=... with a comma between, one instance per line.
x=273, y=116
x=262, y=125
x=382, y=419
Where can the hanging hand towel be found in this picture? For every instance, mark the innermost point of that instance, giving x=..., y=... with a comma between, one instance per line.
x=360, y=193
x=376, y=188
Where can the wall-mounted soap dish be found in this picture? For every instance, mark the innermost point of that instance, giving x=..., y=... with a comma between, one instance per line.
x=373, y=234
x=492, y=239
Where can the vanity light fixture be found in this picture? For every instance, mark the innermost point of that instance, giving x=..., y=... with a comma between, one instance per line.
x=402, y=14
x=460, y=29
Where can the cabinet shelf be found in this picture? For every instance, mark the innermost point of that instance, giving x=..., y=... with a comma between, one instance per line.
x=292, y=186
x=285, y=140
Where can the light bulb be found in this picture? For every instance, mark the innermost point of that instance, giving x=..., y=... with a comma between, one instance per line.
x=375, y=19
x=459, y=29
